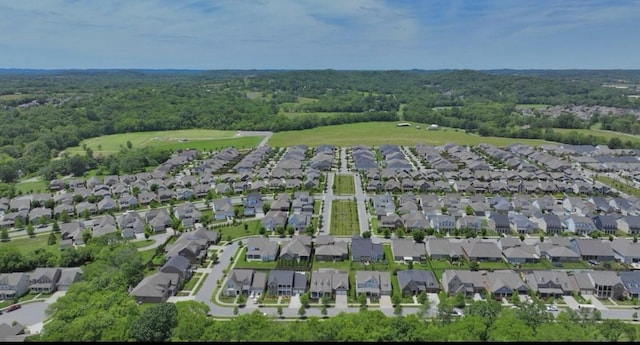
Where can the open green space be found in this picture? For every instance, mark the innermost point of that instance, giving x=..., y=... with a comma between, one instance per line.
x=191, y=283
x=235, y=231
x=295, y=114
x=601, y=133
x=243, y=263
x=29, y=186
x=344, y=218
x=532, y=106
x=344, y=184
x=142, y=243
x=27, y=245
x=109, y=144
x=379, y=133
x=620, y=186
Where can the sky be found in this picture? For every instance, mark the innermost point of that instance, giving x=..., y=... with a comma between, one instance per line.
x=320, y=34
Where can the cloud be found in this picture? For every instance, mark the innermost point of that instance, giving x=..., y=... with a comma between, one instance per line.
x=371, y=34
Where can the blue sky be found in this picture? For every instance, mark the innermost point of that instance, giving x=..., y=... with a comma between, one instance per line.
x=320, y=34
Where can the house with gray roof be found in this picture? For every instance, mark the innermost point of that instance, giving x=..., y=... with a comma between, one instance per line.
x=413, y=282
x=602, y=284
x=68, y=276
x=295, y=249
x=328, y=282
x=521, y=253
x=328, y=249
x=273, y=219
x=405, y=250
x=238, y=282
x=625, y=250
x=286, y=283
x=504, y=283
x=443, y=249
x=442, y=223
x=470, y=222
x=13, y=285
x=631, y=282
x=44, y=280
x=178, y=264
x=549, y=283
x=465, y=281
x=606, y=224
x=157, y=288
x=499, y=223
x=223, y=209
x=557, y=253
x=373, y=283
x=592, y=249
x=158, y=219
x=364, y=250
x=190, y=249
x=261, y=249
x=478, y=250
x=629, y=224
x=579, y=225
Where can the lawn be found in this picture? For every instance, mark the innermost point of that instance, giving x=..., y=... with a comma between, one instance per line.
x=601, y=133
x=532, y=106
x=344, y=218
x=295, y=114
x=243, y=263
x=344, y=184
x=344, y=265
x=236, y=231
x=620, y=186
x=192, y=282
x=27, y=245
x=379, y=133
x=109, y=144
x=143, y=243
x=32, y=187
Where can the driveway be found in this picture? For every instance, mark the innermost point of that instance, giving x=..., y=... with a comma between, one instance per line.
x=571, y=302
x=596, y=302
x=295, y=302
x=385, y=302
x=341, y=302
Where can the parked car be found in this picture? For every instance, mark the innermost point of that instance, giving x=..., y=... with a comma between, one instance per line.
x=13, y=307
x=552, y=308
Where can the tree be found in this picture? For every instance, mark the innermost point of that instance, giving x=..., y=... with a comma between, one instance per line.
x=129, y=145
x=325, y=301
x=52, y=238
x=397, y=310
x=86, y=235
x=236, y=310
x=418, y=236
x=323, y=311
x=155, y=323
x=302, y=311
x=468, y=210
x=474, y=265
x=290, y=230
x=64, y=216
x=4, y=235
x=362, y=299
x=459, y=301
x=521, y=237
x=31, y=230
x=241, y=300
x=55, y=227
x=279, y=311
x=304, y=299
x=396, y=299
x=515, y=298
x=280, y=230
x=541, y=238
x=246, y=227
x=366, y=234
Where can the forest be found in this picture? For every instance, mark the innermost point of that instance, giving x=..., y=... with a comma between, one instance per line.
x=45, y=112
x=98, y=308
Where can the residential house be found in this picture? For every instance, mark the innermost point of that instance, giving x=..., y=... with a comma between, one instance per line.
x=464, y=281
x=179, y=265
x=625, y=250
x=238, y=282
x=286, y=283
x=443, y=249
x=44, y=280
x=557, y=254
x=442, y=223
x=405, y=250
x=373, y=283
x=327, y=249
x=13, y=285
x=364, y=250
x=501, y=284
x=551, y=224
x=299, y=221
x=274, y=219
x=606, y=224
x=631, y=282
x=158, y=219
x=328, y=282
x=602, y=284
x=592, y=249
x=629, y=224
x=499, y=223
x=261, y=249
x=223, y=209
x=521, y=253
x=549, y=283
x=478, y=250
x=521, y=224
x=298, y=249
x=157, y=288
x=413, y=282
x=415, y=221
x=68, y=276
x=580, y=225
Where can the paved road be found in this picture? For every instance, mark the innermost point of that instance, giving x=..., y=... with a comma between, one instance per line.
x=267, y=136
x=209, y=285
x=361, y=199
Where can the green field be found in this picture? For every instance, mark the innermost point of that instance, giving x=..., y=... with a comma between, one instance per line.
x=235, y=231
x=344, y=184
x=27, y=245
x=109, y=144
x=601, y=133
x=378, y=133
x=619, y=185
x=292, y=115
x=39, y=186
x=532, y=106
x=344, y=218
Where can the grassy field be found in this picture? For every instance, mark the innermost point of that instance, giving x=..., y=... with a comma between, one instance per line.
x=378, y=133
x=109, y=144
x=620, y=186
x=27, y=245
x=292, y=115
x=532, y=106
x=344, y=218
x=344, y=184
x=235, y=231
x=601, y=133
x=39, y=186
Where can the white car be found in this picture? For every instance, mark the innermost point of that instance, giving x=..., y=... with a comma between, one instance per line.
x=251, y=295
x=552, y=308
x=255, y=300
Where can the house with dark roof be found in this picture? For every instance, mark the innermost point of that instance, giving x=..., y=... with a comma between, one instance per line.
x=629, y=224
x=501, y=284
x=631, y=282
x=499, y=223
x=68, y=276
x=474, y=249
x=286, y=283
x=44, y=280
x=328, y=249
x=298, y=249
x=223, y=209
x=238, y=282
x=373, y=283
x=464, y=281
x=606, y=224
x=413, y=282
x=443, y=249
x=602, y=284
x=364, y=250
x=179, y=265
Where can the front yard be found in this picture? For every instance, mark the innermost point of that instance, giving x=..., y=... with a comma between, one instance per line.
x=231, y=232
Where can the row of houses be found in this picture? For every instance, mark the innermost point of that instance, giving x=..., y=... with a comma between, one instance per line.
x=182, y=257
x=41, y=280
